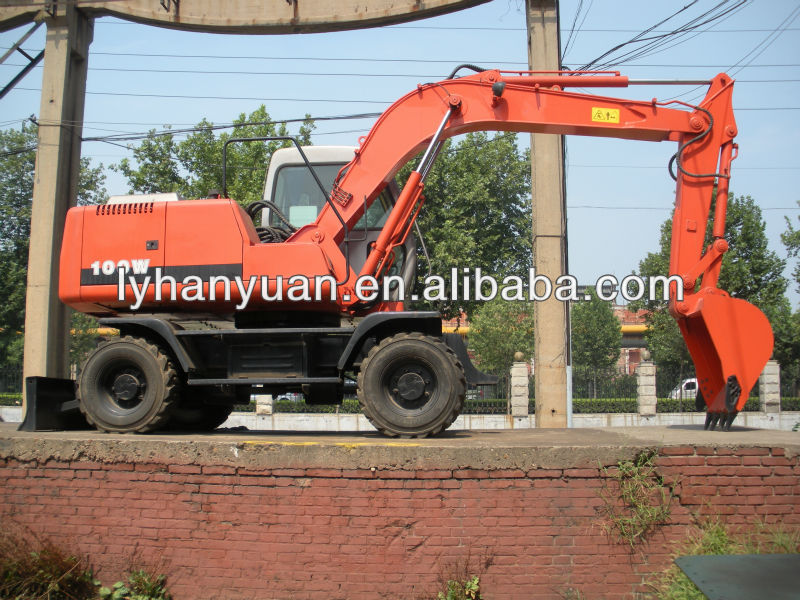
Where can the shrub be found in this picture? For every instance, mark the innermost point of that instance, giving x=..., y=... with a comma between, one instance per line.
x=31, y=567
x=713, y=537
x=35, y=568
x=10, y=399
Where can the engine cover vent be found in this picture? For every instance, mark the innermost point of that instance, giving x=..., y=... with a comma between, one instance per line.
x=136, y=208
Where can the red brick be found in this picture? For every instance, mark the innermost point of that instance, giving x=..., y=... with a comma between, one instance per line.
x=218, y=470
x=359, y=473
x=253, y=472
x=507, y=474
x=433, y=474
x=753, y=452
x=723, y=460
x=470, y=474
x=289, y=472
x=184, y=469
x=545, y=473
x=324, y=473
x=581, y=473
x=676, y=451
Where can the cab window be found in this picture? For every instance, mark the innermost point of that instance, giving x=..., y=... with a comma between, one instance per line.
x=299, y=198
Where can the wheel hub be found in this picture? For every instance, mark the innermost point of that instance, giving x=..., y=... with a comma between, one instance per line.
x=125, y=387
x=410, y=386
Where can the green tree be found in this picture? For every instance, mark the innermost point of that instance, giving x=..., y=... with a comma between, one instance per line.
x=498, y=329
x=596, y=334
x=477, y=209
x=788, y=328
x=750, y=271
x=192, y=167
x=18, y=152
x=791, y=239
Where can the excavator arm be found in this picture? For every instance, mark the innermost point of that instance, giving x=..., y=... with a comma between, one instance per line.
x=729, y=339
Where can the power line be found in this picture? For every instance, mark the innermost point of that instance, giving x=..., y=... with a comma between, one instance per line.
x=323, y=100
x=416, y=60
x=650, y=42
x=314, y=74
x=238, y=98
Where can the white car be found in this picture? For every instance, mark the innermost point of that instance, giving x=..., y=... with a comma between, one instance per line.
x=685, y=390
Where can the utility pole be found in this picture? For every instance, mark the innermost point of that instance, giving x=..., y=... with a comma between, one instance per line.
x=551, y=317
x=55, y=186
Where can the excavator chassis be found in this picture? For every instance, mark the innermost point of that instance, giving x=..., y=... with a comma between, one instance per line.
x=158, y=374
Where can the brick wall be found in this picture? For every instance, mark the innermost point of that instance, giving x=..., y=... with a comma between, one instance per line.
x=226, y=532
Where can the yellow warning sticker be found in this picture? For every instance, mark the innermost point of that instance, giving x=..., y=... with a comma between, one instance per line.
x=605, y=115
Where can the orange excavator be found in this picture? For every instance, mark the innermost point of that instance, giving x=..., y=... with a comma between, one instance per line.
x=211, y=307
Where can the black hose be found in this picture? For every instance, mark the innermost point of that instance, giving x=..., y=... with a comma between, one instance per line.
x=467, y=66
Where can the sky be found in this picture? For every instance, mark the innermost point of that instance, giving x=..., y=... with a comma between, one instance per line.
x=618, y=192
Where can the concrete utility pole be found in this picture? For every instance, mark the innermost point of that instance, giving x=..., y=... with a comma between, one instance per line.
x=55, y=186
x=551, y=318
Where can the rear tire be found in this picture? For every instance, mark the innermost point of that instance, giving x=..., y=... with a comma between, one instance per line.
x=411, y=385
x=127, y=385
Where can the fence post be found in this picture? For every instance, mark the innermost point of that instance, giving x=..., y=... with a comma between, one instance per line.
x=519, y=386
x=646, y=388
x=769, y=388
x=263, y=404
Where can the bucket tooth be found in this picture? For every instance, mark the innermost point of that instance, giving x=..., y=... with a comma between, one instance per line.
x=732, y=392
x=709, y=416
x=728, y=420
x=714, y=420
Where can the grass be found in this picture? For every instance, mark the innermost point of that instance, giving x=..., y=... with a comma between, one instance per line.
x=636, y=499
x=713, y=537
x=32, y=567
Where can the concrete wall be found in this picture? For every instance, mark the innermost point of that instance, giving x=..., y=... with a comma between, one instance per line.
x=256, y=519
x=783, y=421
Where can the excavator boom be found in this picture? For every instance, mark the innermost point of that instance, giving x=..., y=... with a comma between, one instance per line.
x=729, y=339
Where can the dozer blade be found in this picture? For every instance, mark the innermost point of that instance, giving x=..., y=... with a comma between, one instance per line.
x=730, y=341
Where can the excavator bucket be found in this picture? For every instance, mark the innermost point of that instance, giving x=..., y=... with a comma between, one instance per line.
x=730, y=341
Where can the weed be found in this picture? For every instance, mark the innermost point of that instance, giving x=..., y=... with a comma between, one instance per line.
x=644, y=495
x=571, y=594
x=462, y=590
x=712, y=537
x=461, y=577
x=33, y=568
x=141, y=585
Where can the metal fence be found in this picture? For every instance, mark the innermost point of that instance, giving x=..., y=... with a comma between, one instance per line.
x=488, y=399
x=609, y=384
x=11, y=379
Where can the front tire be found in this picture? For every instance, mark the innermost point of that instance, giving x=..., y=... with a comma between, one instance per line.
x=127, y=385
x=411, y=385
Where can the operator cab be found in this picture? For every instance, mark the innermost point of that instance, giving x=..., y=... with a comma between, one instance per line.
x=292, y=188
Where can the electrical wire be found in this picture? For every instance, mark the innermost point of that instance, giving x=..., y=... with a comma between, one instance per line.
x=653, y=42
x=573, y=34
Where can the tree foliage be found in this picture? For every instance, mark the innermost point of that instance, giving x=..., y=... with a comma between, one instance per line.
x=192, y=167
x=499, y=329
x=596, y=334
x=477, y=209
x=17, y=147
x=791, y=239
x=750, y=271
